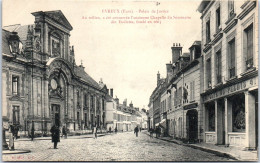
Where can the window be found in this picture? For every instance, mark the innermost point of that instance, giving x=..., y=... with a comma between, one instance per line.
x=92, y=102
x=238, y=113
x=249, y=46
x=218, y=19
x=192, y=91
x=16, y=115
x=230, y=8
x=208, y=69
x=175, y=98
x=208, y=31
x=15, y=85
x=85, y=101
x=211, y=114
x=78, y=103
x=218, y=67
x=98, y=104
x=231, y=53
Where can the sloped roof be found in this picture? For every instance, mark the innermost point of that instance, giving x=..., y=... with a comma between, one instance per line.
x=185, y=55
x=5, y=46
x=86, y=78
x=22, y=30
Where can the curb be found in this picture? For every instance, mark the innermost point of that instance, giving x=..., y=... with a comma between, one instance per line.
x=17, y=151
x=218, y=153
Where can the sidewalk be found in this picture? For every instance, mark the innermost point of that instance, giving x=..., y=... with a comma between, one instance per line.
x=231, y=152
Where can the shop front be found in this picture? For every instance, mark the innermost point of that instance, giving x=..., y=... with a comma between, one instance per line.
x=231, y=114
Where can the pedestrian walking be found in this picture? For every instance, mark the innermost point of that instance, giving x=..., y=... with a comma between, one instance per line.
x=64, y=132
x=151, y=133
x=32, y=131
x=116, y=130
x=136, y=131
x=55, y=134
x=110, y=130
x=95, y=132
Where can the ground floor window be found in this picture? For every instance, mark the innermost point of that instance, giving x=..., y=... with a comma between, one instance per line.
x=211, y=116
x=238, y=113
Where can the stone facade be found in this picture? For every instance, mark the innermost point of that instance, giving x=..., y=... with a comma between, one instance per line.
x=42, y=85
x=230, y=62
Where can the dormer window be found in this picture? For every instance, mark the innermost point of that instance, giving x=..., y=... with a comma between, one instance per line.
x=15, y=43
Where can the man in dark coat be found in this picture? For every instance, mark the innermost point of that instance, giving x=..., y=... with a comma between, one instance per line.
x=136, y=131
x=55, y=134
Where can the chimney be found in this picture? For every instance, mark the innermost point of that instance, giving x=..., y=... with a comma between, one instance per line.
x=111, y=92
x=158, y=78
x=125, y=102
x=169, y=70
x=176, y=52
x=131, y=104
x=117, y=100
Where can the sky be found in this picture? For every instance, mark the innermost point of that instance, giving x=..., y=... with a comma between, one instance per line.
x=126, y=56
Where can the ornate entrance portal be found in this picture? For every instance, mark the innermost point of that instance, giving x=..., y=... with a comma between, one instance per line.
x=55, y=109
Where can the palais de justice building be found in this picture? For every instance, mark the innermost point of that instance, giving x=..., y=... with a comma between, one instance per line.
x=41, y=84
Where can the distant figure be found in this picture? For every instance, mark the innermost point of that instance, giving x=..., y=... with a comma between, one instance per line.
x=110, y=130
x=136, y=131
x=140, y=129
x=157, y=132
x=116, y=130
x=151, y=133
x=95, y=132
x=64, y=132
x=32, y=132
x=55, y=134
x=11, y=137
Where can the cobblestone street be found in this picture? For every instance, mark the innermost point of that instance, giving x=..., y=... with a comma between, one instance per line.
x=115, y=147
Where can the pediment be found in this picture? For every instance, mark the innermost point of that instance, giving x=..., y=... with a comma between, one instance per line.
x=59, y=17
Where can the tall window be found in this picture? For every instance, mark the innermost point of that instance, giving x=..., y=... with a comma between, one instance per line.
x=85, y=101
x=218, y=67
x=231, y=52
x=230, y=8
x=218, y=19
x=208, y=31
x=192, y=91
x=15, y=85
x=249, y=46
x=92, y=102
x=211, y=116
x=78, y=98
x=16, y=113
x=175, y=98
x=238, y=113
x=208, y=69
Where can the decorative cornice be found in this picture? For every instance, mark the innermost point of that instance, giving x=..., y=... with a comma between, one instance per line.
x=249, y=8
x=230, y=25
x=218, y=36
x=207, y=47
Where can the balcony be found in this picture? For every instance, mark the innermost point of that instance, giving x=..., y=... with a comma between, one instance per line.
x=232, y=72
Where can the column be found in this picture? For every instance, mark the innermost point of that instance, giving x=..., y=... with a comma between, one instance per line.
x=205, y=122
x=89, y=117
x=250, y=120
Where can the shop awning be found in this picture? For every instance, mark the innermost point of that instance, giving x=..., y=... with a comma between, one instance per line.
x=157, y=124
x=163, y=123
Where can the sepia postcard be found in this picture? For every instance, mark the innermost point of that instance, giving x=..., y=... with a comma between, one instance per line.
x=134, y=80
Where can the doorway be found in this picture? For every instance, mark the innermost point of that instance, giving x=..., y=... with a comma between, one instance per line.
x=55, y=109
x=192, y=125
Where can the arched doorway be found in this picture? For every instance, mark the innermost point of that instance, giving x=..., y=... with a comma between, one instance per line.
x=192, y=125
